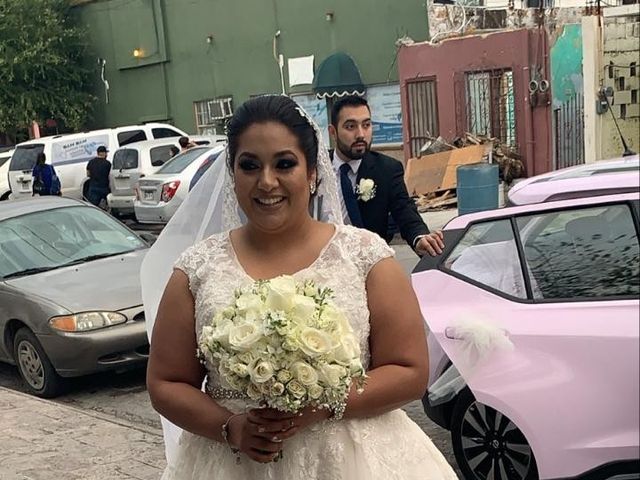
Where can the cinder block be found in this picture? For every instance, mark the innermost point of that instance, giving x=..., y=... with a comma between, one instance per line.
x=633, y=111
x=621, y=97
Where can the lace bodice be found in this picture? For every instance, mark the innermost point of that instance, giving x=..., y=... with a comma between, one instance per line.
x=343, y=265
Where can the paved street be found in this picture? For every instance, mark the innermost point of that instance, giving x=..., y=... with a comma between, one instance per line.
x=105, y=428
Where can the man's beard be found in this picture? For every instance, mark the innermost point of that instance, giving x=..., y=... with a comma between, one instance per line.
x=347, y=151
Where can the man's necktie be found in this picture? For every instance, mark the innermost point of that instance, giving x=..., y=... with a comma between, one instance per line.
x=350, y=200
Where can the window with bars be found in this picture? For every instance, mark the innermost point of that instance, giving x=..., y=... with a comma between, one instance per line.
x=211, y=115
x=490, y=104
x=423, y=114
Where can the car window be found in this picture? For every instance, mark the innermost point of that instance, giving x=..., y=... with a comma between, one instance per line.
x=125, y=159
x=131, y=136
x=181, y=161
x=160, y=155
x=4, y=160
x=165, y=133
x=24, y=158
x=582, y=253
x=487, y=254
x=52, y=238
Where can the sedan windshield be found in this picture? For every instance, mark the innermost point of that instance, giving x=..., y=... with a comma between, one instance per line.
x=56, y=238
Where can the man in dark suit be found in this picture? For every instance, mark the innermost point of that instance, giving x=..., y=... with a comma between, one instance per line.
x=371, y=184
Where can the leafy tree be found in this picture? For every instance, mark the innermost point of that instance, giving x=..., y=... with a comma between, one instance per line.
x=43, y=72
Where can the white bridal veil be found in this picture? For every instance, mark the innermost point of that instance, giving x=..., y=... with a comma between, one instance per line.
x=211, y=207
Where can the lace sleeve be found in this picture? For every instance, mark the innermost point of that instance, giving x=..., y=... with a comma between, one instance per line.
x=370, y=250
x=192, y=260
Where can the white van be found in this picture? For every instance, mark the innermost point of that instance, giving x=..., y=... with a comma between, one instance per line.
x=69, y=154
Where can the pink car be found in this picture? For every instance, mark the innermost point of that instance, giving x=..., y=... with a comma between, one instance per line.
x=558, y=284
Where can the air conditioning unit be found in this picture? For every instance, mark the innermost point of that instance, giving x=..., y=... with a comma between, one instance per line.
x=219, y=109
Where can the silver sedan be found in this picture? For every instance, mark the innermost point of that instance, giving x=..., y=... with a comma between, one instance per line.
x=70, y=300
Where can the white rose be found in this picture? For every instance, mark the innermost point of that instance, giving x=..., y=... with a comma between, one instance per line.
x=332, y=374
x=284, y=376
x=244, y=335
x=302, y=308
x=249, y=302
x=366, y=185
x=220, y=331
x=281, y=291
x=245, y=357
x=254, y=392
x=261, y=371
x=335, y=317
x=304, y=373
x=277, y=389
x=233, y=381
x=296, y=389
x=240, y=369
x=315, y=392
x=347, y=350
x=315, y=342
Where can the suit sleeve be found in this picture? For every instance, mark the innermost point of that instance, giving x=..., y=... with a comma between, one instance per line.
x=403, y=208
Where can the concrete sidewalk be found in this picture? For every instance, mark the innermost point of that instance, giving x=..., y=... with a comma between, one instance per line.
x=44, y=440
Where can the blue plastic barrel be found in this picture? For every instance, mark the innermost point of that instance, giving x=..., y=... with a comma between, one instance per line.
x=477, y=188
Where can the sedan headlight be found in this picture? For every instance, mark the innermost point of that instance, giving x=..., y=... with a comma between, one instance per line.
x=87, y=321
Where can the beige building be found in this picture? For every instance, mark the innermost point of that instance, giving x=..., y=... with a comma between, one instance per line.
x=611, y=46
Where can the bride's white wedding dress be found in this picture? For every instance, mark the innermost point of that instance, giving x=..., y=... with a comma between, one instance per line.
x=384, y=447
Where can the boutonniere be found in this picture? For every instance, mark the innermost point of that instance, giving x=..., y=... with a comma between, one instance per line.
x=366, y=189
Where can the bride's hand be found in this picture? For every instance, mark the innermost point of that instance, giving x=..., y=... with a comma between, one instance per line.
x=254, y=440
x=285, y=424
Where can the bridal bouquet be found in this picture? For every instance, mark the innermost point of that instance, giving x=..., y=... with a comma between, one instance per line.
x=284, y=344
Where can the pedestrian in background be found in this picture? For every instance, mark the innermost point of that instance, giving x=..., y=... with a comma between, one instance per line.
x=98, y=170
x=185, y=144
x=45, y=180
x=174, y=151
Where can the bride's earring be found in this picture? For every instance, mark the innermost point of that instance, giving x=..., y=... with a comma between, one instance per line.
x=312, y=188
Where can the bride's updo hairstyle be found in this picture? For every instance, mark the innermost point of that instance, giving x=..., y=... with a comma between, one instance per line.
x=272, y=108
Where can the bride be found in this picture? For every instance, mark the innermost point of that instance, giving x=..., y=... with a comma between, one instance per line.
x=255, y=220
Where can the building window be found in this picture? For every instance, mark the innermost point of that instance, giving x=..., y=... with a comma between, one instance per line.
x=212, y=114
x=491, y=105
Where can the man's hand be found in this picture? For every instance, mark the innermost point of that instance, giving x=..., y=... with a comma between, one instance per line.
x=432, y=244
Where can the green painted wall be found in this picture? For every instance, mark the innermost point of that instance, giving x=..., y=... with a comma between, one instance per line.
x=239, y=60
x=566, y=65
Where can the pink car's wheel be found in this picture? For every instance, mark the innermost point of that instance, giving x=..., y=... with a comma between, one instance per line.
x=488, y=445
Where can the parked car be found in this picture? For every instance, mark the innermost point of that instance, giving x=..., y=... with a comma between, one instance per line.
x=69, y=154
x=5, y=190
x=132, y=162
x=158, y=196
x=560, y=280
x=138, y=160
x=56, y=318
x=600, y=178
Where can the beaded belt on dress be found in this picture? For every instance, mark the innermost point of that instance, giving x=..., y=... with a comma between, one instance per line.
x=220, y=393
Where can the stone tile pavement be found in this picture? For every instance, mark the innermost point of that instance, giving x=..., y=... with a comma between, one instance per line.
x=44, y=440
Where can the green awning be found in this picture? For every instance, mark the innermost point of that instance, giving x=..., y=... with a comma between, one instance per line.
x=338, y=75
